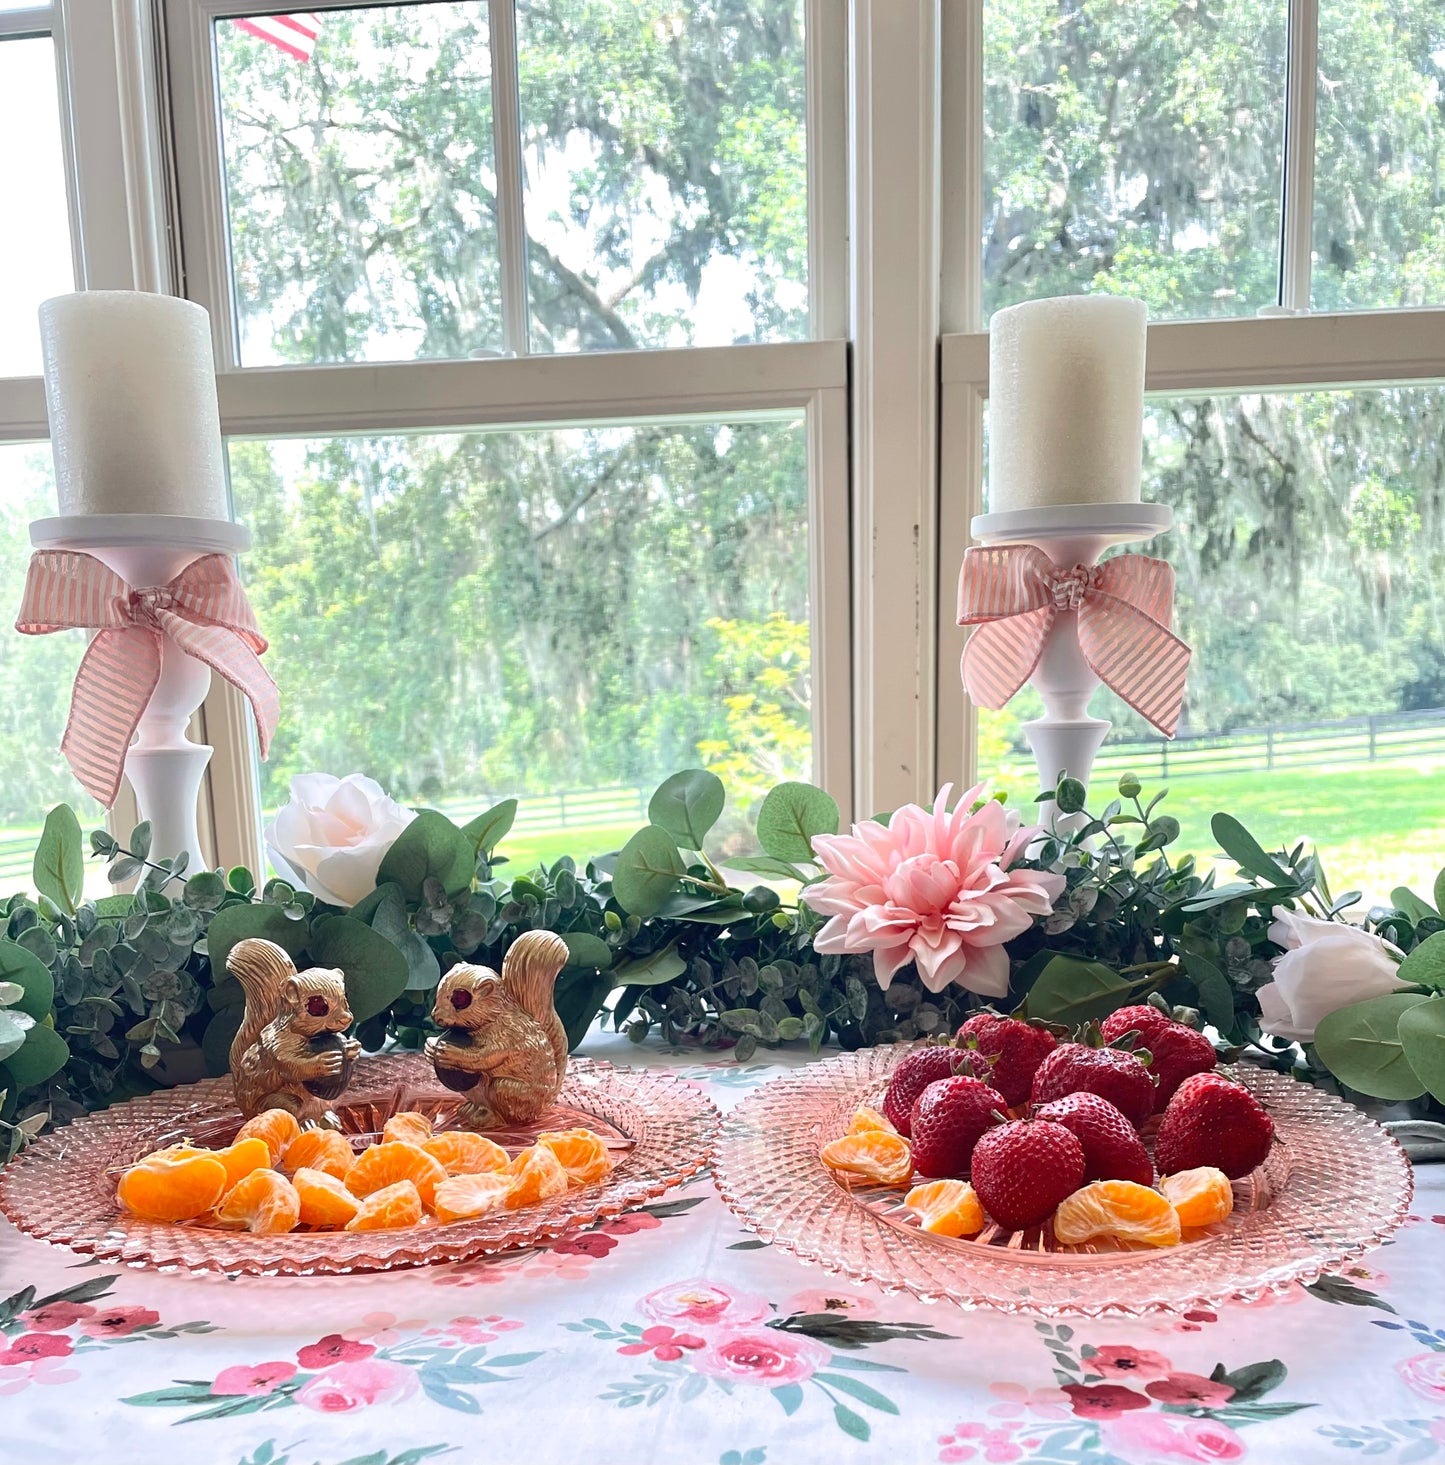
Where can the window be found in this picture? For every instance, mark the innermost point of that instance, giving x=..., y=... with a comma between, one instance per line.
x=521, y=313
x=35, y=260
x=1225, y=162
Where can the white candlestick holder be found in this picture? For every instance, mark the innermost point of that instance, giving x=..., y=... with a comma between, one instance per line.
x=164, y=766
x=1066, y=739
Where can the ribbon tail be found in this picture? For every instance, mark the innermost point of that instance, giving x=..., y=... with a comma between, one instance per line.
x=228, y=653
x=1135, y=656
x=112, y=689
x=1001, y=655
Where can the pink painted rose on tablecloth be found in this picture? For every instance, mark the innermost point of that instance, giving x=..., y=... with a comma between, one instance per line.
x=1152, y=1438
x=1103, y=1401
x=30, y=1346
x=972, y=1441
x=348, y=1386
x=119, y=1322
x=1425, y=1374
x=1017, y=1402
x=253, y=1379
x=703, y=1304
x=631, y=1223
x=333, y=1348
x=1190, y=1389
x=56, y=1317
x=1117, y=1361
x=829, y=1299
x=761, y=1356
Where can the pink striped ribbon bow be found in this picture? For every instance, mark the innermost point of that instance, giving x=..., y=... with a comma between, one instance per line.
x=1014, y=592
x=203, y=610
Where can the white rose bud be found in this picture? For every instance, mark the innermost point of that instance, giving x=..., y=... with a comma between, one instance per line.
x=332, y=835
x=1327, y=965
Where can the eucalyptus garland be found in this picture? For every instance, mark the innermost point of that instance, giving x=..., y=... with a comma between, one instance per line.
x=104, y=999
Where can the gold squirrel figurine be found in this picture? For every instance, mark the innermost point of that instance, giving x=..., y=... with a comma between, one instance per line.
x=502, y=1043
x=291, y=1052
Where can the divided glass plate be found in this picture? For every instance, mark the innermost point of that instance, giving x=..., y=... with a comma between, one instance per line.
x=1334, y=1185
x=660, y=1130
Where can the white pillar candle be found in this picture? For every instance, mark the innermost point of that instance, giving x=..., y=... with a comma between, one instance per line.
x=1066, y=402
x=130, y=386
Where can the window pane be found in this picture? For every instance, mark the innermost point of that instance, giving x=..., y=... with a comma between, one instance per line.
x=665, y=172
x=35, y=260
x=467, y=617
x=1134, y=148
x=36, y=673
x=360, y=184
x=1309, y=548
x=1379, y=229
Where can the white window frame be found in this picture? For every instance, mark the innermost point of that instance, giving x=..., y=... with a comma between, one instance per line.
x=537, y=390
x=1287, y=348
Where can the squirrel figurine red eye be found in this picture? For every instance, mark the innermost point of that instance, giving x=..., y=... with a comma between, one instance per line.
x=502, y=1043
x=292, y=1051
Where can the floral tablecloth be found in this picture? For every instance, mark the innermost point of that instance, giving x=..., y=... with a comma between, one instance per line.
x=672, y=1335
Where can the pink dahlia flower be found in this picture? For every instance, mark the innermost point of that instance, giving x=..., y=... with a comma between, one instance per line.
x=937, y=888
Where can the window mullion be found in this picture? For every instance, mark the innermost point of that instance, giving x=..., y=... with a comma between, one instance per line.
x=1297, y=205
x=961, y=165
x=507, y=150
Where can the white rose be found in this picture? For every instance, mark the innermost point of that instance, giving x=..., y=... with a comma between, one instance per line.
x=332, y=835
x=1327, y=965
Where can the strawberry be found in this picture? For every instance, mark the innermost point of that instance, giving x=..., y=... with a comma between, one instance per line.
x=1112, y=1147
x=1023, y=1169
x=1211, y=1120
x=947, y=1120
x=1113, y=1074
x=1016, y=1048
x=1175, y=1051
x=912, y=1074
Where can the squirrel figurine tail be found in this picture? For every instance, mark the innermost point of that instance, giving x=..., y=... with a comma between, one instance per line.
x=501, y=1042
x=291, y=1051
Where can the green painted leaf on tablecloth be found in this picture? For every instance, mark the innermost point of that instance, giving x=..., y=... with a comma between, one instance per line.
x=857, y=1389
x=851, y=1423
x=790, y=1396
x=1331, y=1288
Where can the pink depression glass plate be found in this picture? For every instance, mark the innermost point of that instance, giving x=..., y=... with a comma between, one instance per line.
x=660, y=1130
x=1334, y=1186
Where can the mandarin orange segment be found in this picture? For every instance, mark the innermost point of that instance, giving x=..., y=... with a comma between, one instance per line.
x=866, y=1119
x=460, y=1197
x=385, y=1164
x=324, y=1200
x=242, y=1157
x=408, y=1127
x=459, y=1152
x=177, y=1184
x=582, y=1154
x=389, y=1209
x=873, y=1153
x=262, y=1201
x=946, y=1208
x=278, y=1127
x=319, y=1149
x=1200, y=1197
x=536, y=1173
x=1120, y=1209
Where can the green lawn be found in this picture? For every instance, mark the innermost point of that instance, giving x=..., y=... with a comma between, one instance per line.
x=581, y=841
x=1375, y=825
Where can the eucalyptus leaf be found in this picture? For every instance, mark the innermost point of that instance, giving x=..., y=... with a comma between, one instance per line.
x=13, y=1027
x=1425, y=966
x=767, y=865
x=43, y=1054
x=1245, y=850
x=430, y=846
x=376, y=972
x=1072, y=991
x=791, y=815
x=389, y=920
x=687, y=805
x=1361, y=1046
x=648, y=870
x=587, y=950
x=59, y=867
x=31, y=975
x=1405, y=899
x=1422, y=1036
x=1440, y=892
x=235, y=923
x=1216, y=997
x=650, y=971
x=578, y=998
x=488, y=830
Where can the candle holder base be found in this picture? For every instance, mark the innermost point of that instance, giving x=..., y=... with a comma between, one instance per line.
x=164, y=766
